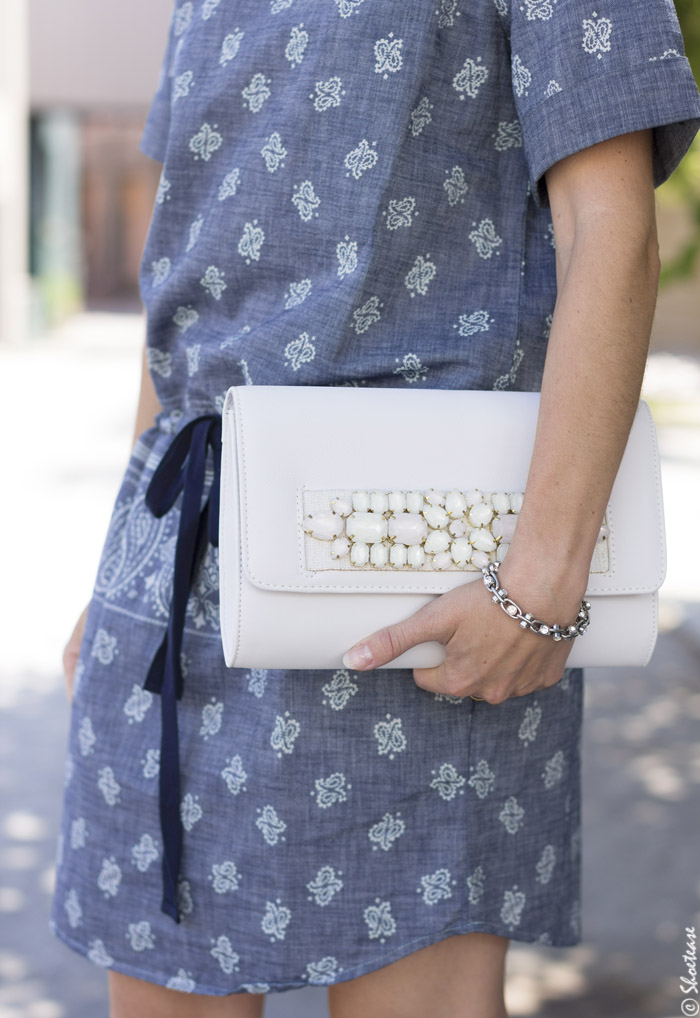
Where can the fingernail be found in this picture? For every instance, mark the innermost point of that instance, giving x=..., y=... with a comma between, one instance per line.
x=358, y=657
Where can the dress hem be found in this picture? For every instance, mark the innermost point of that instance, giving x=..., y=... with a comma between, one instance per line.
x=344, y=975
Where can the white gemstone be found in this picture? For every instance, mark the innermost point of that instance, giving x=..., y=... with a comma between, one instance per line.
x=366, y=527
x=379, y=555
x=511, y=609
x=378, y=502
x=455, y=503
x=500, y=501
x=480, y=559
x=415, y=556
x=397, y=555
x=501, y=551
x=442, y=560
x=437, y=541
x=340, y=547
x=408, y=528
x=342, y=505
x=397, y=501
x=436, y=516
x=414, y=501
x=324, y=525
x=544, y=630
x=433, y=497
x=474, y=496
x=359, y=554
x=480, y=514
x=516, y=501
x=504, y=526
x=482, y=539
x=461, y=551
x=457, y=528
x=360, y=501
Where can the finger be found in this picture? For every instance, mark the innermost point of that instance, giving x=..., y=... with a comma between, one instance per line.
x=441, y=680
x=390, y=642
x=452, y=676
x=431, y=679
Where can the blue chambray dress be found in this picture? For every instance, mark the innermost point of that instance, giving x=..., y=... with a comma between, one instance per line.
x=352, y=194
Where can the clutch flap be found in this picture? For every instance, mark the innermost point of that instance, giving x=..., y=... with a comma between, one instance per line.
x=294, y=452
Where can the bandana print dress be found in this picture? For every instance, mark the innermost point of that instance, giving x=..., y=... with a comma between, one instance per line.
x=352, y=194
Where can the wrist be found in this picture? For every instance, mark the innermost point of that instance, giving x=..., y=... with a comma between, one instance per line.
x=535, y=621
x=555, y=550
x=551, y=591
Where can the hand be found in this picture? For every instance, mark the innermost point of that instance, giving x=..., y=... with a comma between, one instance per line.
x=71, y=652
x=487, y=654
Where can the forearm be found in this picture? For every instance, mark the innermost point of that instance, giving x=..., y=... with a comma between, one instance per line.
x=590, y=390
x=148, y=403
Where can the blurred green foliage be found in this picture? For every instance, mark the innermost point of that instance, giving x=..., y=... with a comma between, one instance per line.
x=689, y=16
x=684, y=184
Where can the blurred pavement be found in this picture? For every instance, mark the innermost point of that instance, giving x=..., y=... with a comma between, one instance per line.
x=67, y=409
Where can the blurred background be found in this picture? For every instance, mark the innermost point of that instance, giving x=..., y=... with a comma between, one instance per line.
x=76, y=195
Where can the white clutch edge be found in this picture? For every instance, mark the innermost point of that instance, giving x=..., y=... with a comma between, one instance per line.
x=297, y=635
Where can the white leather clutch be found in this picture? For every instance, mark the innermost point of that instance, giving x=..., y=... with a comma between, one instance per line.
x=345, y=509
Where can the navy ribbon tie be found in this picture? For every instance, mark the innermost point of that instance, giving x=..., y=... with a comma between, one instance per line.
x=181, y=469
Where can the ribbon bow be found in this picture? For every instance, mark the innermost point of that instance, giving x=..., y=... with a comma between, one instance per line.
x=181, y=469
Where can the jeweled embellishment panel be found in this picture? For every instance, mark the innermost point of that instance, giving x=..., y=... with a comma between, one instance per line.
x=416, y=530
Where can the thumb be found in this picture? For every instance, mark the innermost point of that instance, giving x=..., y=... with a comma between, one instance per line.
x=391, y=641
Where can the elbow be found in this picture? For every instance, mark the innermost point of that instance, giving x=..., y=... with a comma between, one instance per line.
x=615, y=240
x=654, y=254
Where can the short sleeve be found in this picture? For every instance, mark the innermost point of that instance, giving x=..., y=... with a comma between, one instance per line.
x=584, y=71
x=155, y=133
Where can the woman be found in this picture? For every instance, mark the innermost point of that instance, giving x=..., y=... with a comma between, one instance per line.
x=353, y=193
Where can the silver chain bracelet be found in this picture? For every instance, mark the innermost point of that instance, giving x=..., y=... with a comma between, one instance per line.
x=527, y=620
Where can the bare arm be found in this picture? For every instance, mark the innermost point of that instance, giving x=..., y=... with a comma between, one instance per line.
x=603, y=210
x=148, y=404
x=147, y=408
